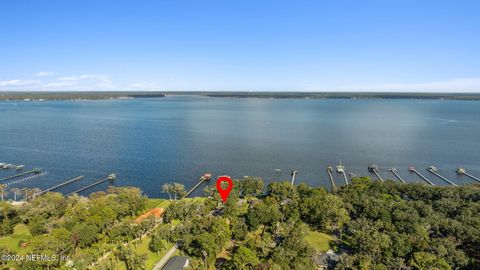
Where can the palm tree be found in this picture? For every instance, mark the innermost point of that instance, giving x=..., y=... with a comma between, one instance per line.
x=29, y=193
x=34, y=192
x=15, y=192
x=3, y=190
x=178, y=190
x=167, y=188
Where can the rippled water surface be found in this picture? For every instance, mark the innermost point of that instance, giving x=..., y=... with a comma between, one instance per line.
x=151, y=141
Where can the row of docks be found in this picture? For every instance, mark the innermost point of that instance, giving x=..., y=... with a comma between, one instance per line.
x=111, y=177
x=23, y=175
x=375, y=170
x=340, y=169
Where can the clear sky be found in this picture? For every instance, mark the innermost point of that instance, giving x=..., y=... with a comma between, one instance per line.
x=247, y=45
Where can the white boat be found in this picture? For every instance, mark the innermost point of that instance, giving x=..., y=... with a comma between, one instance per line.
x=7, y=166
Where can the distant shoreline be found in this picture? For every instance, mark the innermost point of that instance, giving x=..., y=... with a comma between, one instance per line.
x=41, y=96
x=97, y=95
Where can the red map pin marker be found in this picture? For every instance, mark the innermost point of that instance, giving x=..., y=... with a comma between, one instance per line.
x=224, y=192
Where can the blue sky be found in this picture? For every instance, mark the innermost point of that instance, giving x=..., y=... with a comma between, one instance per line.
x=240, y=45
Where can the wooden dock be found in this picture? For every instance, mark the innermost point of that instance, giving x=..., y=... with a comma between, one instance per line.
x=392, y=170
x=341, y=169
x=462, y=171
x=59, y=185
x=294, y=173
x=378, y=175
x=345, y=177
x=27, y=178
x=36, y=171
x=412, y=169
x=434, y=171
x=374, y=169
x=205, y=177
x=110, y=177
x=330, y=170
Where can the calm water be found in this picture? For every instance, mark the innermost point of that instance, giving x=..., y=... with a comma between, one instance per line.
x=148, y=142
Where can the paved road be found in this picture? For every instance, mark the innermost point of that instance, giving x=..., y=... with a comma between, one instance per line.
x=165, y=258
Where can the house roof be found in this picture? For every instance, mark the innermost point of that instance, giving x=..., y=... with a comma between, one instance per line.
x=156, y=212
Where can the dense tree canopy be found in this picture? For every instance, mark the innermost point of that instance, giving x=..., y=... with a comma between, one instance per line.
x=413, y=226
x=80, y=228
x=374, y=225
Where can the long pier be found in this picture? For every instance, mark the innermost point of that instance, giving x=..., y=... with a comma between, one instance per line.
x=36, y=171
x=341, y=169
x=110, y=177
x=205, y=177
x=378, y=175
x=345, y=177
x=462, y=171
x=392, y=170
x=27, y=178
x=330, y=170
x=434, y=170
x=60, y=185
x=412, y=169
x=294, y=173
x=374, y=169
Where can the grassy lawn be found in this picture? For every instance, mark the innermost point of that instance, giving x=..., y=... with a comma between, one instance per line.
x=196, y=199
x=142, y=248
x=319, y=241
x=152, y=203
x=152, y=258
x=20, y=232
x=164, y=203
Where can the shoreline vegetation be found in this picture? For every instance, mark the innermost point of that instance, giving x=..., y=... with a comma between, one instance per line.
x=365, y=225
x=97, y=95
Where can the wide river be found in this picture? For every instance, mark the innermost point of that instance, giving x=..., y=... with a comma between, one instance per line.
x=148, y=142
